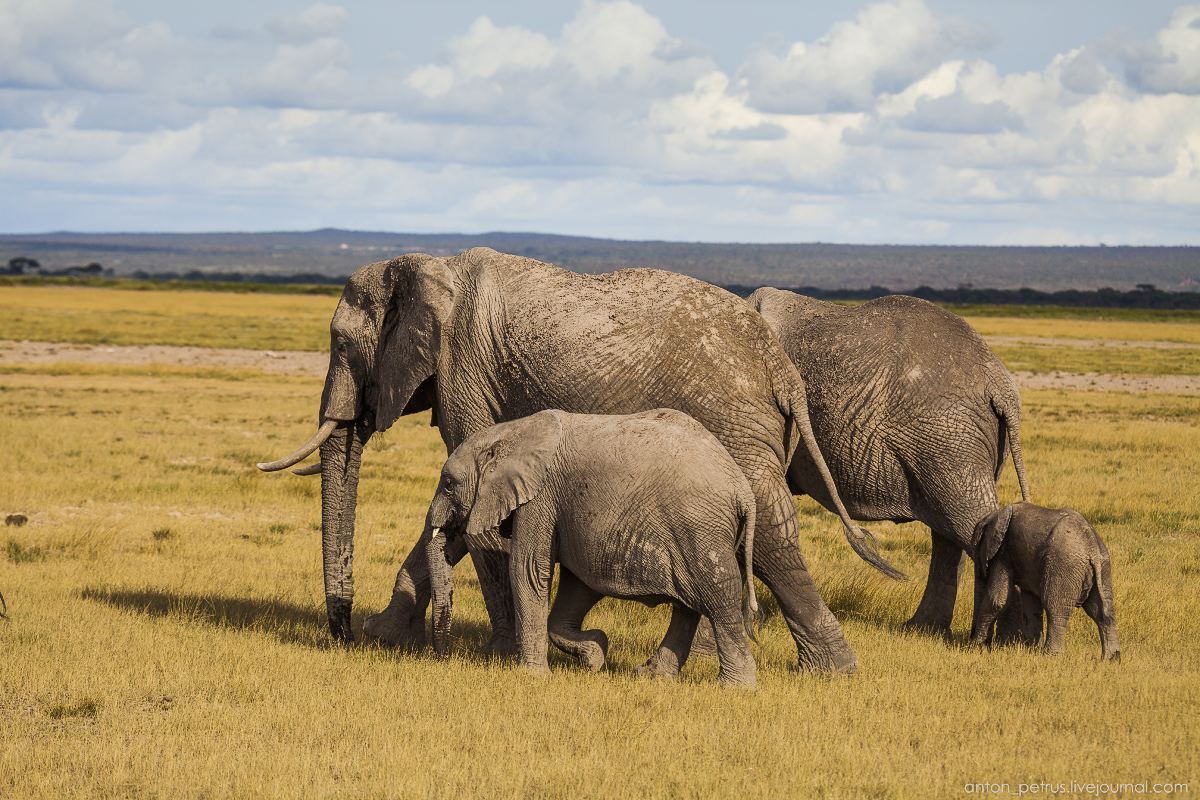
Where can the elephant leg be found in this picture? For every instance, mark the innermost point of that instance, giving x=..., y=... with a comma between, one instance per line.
x=936, y=610
x=572, y=604
x=705, y=643
x=489, y=554
x=673, y=652
x=1031, y=613
x=531, y=571
x=403, y=621
x=990, y=598
x=1010, y=626
x=820, y=644
x=729, y=629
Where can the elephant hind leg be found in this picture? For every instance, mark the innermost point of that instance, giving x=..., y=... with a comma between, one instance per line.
x=936, y=610
x=673, y=652
x=572, y=604
x=1106, y=622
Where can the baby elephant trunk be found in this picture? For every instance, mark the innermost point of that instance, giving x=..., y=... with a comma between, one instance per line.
x=1110, y=645
x=751, y=613
x=441, y=584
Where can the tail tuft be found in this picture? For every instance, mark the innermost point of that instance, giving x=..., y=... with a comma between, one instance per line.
x=867, y=548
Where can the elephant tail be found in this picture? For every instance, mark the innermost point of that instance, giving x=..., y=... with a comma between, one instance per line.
x=1008, y=410
x=751, y=613
x=795, y=410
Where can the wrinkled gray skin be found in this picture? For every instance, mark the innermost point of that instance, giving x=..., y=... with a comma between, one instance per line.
x=913, y=413
x=1059, y=563
x=645, y=507
x=484, y=338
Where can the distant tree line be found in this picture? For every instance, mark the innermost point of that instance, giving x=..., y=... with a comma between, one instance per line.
x=243, y=277
x=1146, y=295
x=30, y=266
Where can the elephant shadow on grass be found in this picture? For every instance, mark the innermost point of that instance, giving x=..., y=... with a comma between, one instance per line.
x=289, y=622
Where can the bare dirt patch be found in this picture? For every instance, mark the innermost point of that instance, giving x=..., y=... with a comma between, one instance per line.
x=283, y=362
x=295, y=362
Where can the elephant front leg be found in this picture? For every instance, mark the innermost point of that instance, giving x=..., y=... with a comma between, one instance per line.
x=572, y=604
x=673, y=652
x=990, y=601
x=489, y=554
x=403, y=621
x=531, y=570
x=936, y=610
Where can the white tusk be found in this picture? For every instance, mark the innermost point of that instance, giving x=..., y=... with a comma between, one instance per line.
x=304, y=452
x=311, y=469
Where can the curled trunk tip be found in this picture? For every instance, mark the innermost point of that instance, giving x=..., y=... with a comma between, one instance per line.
x=311, y=469
x=304, y=452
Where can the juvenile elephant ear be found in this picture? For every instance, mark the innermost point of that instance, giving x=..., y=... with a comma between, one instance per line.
x=994, y=532
x=512, y=467
x=421, y=298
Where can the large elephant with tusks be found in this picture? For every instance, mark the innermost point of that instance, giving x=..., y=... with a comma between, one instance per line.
x=484, y=337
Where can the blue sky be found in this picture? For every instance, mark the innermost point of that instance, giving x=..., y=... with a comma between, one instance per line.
x=899, y=121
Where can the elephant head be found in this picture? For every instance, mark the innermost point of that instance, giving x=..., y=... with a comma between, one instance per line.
x=989, y=535
x=385, y=341
x=490, y=475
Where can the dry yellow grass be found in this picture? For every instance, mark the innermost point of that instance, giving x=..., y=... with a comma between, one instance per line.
x=1087, y=329
x=202, y=319
x=167, y=637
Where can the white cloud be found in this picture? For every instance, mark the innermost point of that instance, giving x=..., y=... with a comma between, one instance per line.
x=892, y=126
x=1170, y=63
x=887, y=47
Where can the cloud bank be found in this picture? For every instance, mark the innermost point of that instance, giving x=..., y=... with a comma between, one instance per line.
x=891, y=127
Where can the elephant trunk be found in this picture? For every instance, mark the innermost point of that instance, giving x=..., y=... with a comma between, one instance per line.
x=441, y=582
x=341, y=458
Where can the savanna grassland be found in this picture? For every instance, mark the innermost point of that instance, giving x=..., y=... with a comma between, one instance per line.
x=166, y=633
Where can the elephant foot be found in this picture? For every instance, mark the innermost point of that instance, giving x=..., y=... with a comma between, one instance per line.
x=663, y=665
x=590, y=647
x=396, y=628
x=501, y=645
x=923, y=624
x=840, y=660
x=537, y=670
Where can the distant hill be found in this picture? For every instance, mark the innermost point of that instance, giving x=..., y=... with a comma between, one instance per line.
x=827, y=266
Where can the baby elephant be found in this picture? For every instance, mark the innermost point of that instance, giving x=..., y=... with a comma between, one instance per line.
x=646, y=507
x=1056, y=559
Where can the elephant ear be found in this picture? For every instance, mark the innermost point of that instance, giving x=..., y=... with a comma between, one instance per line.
x=512, y=464
x=994, y=531
x=410, y=343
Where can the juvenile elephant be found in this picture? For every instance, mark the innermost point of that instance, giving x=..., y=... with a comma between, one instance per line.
x=1059, y=562
x=644, y=507
x=483, y=338
x=913, y=413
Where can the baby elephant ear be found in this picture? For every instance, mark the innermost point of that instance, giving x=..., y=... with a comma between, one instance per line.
x=512, y=467
x=993, y=534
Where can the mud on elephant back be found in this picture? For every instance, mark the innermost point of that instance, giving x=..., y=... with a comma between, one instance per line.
x=483, y=338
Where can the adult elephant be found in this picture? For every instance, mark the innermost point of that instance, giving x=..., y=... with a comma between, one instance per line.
x=915, y=416
x=483, y=338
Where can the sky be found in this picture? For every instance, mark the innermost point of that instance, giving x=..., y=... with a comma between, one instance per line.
x=902, y=121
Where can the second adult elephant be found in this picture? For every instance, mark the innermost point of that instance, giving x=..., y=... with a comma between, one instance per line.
x=483, y=338
x=915, y=416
